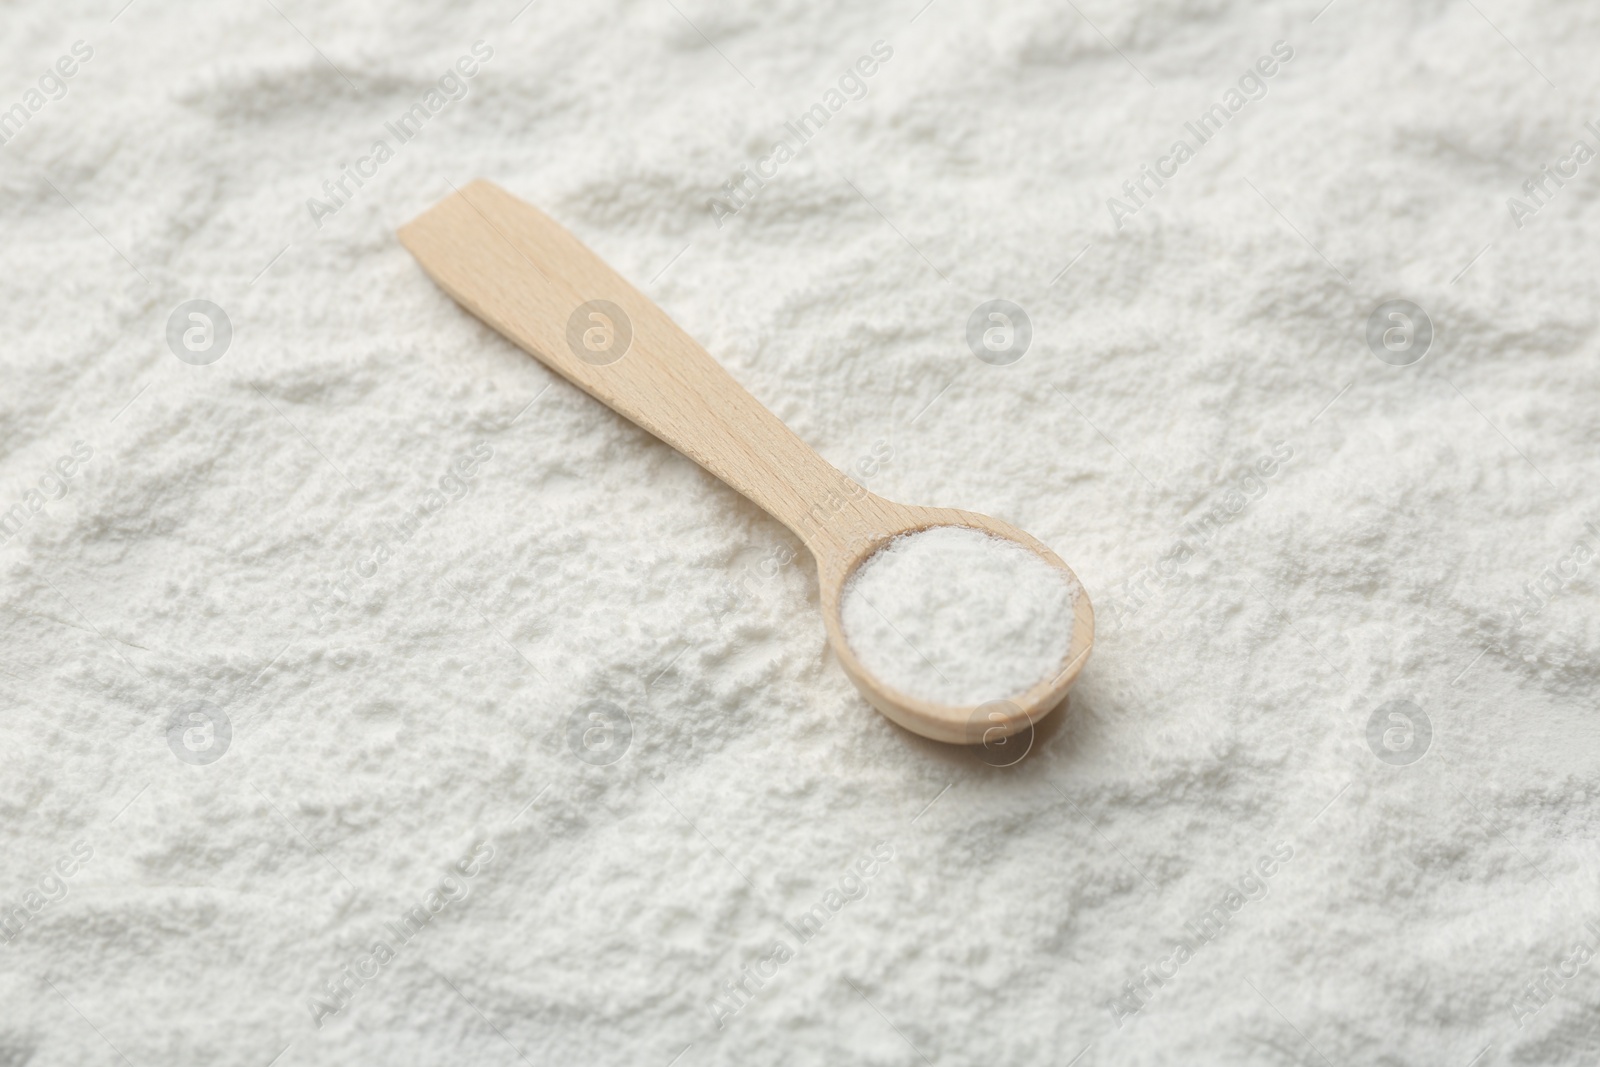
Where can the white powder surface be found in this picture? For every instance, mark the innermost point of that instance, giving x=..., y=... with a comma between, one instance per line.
x=489, y=656
x=955, y=616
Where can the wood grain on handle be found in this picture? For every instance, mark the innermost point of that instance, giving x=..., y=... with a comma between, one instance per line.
x=525, y=275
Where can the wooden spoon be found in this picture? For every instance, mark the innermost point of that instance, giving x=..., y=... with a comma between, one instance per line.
x=522, y=273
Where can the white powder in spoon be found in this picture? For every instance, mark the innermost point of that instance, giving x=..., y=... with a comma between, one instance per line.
x=956, y=616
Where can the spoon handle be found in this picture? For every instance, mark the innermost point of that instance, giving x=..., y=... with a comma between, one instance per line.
x=521, y=272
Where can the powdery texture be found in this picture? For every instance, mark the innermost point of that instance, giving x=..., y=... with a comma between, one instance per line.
x=956, y=616
x=1249, y=623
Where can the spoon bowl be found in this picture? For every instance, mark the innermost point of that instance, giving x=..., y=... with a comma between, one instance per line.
x=955, y=723
x=522, y=273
